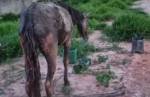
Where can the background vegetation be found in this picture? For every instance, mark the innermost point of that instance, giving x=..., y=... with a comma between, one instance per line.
x=9, y=42
x=126, y=23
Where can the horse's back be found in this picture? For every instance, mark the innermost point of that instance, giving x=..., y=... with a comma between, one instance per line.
x=49, y=18
x=46, y=19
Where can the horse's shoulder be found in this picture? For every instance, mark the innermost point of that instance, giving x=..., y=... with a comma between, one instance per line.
x=66, y=18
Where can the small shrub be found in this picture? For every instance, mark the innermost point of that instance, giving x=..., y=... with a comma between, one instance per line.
x=127, y=25
x=8, y=27
x=10, y=47
x=82, y=65
x=83, y=48
x=102, y=59
x=104, y=78
x=80, y=68
x=9, y=42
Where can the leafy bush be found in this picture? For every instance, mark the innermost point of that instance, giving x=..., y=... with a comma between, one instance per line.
x=9, y=47
x=104, y=78
x=8, y=27
x=127, y=25
x=102, y=59
x=83, y=48
x=9, y=43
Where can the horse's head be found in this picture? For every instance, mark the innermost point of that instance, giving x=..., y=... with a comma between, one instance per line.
x=84, y=26
x=78, y=18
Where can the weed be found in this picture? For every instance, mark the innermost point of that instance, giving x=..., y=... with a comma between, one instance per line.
x=78, y=69
x=104, y=78
x=102, y=59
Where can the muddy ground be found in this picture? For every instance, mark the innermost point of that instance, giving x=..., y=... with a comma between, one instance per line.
x=131, y=71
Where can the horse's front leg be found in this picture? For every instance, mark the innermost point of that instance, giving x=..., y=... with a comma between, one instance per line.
x=66, y=62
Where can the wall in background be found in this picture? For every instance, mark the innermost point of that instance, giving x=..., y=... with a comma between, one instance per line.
x=13, y=6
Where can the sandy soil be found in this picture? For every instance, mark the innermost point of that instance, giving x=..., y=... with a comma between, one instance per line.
x=12, y=78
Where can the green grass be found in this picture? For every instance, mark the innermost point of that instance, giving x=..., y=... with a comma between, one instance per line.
x=8, y=27
x=9, y=42
x=102, y=10
x=119, y=11
x=9, y=17
x=99, y=11
x=124, y=27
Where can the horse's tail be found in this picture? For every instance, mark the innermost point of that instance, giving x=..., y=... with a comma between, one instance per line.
x=29, y=45
x=27, y=35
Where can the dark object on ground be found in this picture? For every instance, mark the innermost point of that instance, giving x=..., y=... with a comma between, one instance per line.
x=137, y=44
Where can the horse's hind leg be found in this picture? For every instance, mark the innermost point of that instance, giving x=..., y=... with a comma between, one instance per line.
x=49, y=50
x=66, y=62
x=32, y=68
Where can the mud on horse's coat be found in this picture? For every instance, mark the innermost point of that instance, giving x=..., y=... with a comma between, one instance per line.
x=44, y=26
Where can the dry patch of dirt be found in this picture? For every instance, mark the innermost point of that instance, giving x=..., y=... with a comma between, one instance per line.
x=12, y=78
x=131, y=73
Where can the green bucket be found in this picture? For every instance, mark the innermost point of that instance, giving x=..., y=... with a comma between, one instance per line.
x=73, y=56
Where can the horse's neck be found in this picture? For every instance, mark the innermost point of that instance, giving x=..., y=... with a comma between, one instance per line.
x=75, y=15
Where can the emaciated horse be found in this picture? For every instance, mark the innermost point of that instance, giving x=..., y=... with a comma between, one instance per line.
x=44, y=26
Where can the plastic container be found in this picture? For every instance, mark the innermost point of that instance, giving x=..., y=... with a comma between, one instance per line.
x=72, y=56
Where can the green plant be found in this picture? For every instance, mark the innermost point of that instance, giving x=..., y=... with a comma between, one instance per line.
x=102, y=59
x=102, y=10
x=82, y=65
x=9, y=47
x=8, y=28
x=9, y=17
x=127, y=25
x=104, y=78
x=83, y=48
x=9, y=42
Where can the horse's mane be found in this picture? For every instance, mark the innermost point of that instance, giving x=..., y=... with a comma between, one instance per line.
x=77, y=17
x=75, y=14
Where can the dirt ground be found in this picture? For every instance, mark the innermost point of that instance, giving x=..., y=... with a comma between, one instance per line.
x=131, y=72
